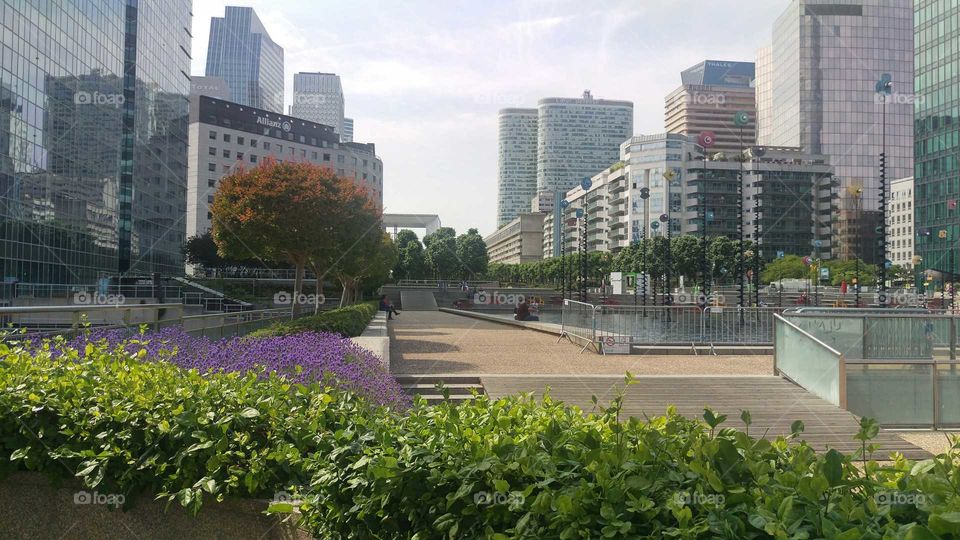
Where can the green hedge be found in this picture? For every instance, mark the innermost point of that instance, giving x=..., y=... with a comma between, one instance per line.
x=126, y=426
x=507, y=468
x=515, y=468
x=348, y=321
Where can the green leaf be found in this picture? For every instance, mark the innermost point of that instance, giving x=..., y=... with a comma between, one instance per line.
x=280, y=508
x=832, y=467
x=249, y=412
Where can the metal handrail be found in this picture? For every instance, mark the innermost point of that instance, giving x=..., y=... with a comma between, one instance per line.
x=807, y=334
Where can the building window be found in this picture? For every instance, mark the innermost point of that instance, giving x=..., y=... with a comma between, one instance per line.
x=226, y=153
x=226, y=137
x=209, y=199
x=291, y=150
x=253, y=158
x=266, y=145
x=211, y=167
x=239, y=156
x=213, y=135
x=303, y=153
x=253, y=143
x=212, y=151
x=240, y=140
x=211, y=183
x=365, y=165
x=313, y=155
x=326, y=157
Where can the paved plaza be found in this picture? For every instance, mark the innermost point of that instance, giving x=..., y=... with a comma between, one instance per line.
x=510, y=359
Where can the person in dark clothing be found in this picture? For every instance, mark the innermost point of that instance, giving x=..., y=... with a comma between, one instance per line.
x=387, y=305
x=522, y=313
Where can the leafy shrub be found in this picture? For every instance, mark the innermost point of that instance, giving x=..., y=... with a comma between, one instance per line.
x=124, y=425
x=514, y=468
x=347, y=321
x=304, y=357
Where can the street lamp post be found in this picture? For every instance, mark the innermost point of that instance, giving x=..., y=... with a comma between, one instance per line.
x=884, y=88
x=740, y=119
x=644, y=196
x=586, y=184
x=668, y=176
x=706, y=139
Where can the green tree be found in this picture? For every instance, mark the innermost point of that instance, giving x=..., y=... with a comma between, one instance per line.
x=441, y=252
x=788, y=267
x=471, y=254
x=685, y=254
x=411, y=261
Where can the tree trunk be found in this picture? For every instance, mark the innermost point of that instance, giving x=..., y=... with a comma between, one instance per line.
x=318, y=289
x=297, y=289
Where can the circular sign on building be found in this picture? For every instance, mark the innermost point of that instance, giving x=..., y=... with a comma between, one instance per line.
x=586, y=183
x=741, y=119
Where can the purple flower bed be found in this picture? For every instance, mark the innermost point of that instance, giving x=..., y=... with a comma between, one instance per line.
x=303, y=358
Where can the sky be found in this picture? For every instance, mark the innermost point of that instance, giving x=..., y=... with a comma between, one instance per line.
x=424, y=79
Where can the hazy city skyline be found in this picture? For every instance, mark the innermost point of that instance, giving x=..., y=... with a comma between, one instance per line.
x=428, y=82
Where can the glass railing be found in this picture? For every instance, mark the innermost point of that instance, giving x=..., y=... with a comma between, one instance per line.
x=900, y=368
x=809, y=362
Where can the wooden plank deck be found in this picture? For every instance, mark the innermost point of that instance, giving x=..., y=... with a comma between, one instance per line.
x=773, y=402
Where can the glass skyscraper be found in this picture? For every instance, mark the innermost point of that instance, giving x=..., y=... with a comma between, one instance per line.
x=318, y=97
x=93, y=138
x=516, y=163
x=826, y=58
x=241, y=52
x=937, y=134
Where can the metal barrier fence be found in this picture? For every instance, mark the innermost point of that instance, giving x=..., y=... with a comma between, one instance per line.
x=618, y=326
x=47, y=321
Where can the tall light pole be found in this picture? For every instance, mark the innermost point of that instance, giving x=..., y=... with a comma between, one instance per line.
x=741, y=119
x=757, y=151
x=563, y=247
x=884, y=88
x=706, y=139
x=668, y=177
x=586, y=184
x=644, y=196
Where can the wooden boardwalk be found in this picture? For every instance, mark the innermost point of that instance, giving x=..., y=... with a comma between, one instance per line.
x=773, y=402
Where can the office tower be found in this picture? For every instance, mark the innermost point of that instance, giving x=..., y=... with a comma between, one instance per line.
x=241, y=52
x=900, y=236
x=224, y=135
x=94, y=142
x=347, y=135
x=318, y=97
x=937, y=134
x=577, y=138
x=763, y=85
x=826, y=60
x=516, y=163
x=710, y=95
x=214, y=87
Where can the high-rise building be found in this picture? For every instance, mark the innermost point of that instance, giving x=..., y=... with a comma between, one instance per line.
x=900, y=237
x=937, y=134
x=518, y=242
x=827, y=57
x=710, y=95
x=93, y=126
x=318, y=97
x=224, y=135
x=516, y=163
x=241, y=52
x=763, y=84
x=578, y=137
x=347, y=135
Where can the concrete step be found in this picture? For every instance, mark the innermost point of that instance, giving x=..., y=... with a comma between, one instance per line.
x=432, y=379
x=417, y=301
x=459, y=387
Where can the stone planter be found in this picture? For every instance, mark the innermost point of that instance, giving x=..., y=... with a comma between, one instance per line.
x=35, y=508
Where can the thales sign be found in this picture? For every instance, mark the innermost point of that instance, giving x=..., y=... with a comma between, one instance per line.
x=264, y=121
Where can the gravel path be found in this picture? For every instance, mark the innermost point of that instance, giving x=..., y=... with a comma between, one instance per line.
x=434, y=342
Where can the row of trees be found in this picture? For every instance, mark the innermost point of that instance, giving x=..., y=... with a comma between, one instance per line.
x=648, y=256
x=305, y=216
x=442, y=254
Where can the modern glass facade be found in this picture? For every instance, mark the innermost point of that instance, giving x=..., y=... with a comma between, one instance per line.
x=937, y=134
x=93, y=140
x=318, y=97
x=827, y=56
x=241, y=52
x=516, y=163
